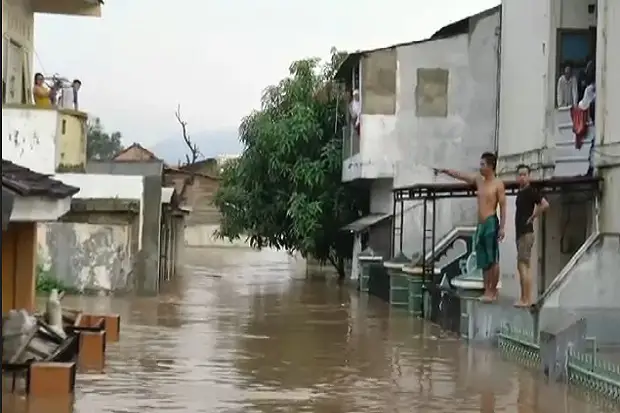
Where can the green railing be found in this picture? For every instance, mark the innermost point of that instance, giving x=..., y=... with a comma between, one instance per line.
x=585, y=370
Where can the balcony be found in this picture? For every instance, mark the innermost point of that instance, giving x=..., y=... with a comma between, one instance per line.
x=69, y=7
x=46, y=140
x=369, y=154
x=570, y=161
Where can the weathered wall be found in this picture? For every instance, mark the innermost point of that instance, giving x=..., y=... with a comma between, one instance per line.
x=17, y=58
x=607, y=109
x=378, y=94
x=147, y=276
x=28, y=138
x=44, y=140
x=88, y=257
x=199, y=196
x=446, y=117
x=526, y=94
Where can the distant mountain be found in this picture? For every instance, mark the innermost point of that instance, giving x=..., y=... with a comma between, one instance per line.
x=210, y=143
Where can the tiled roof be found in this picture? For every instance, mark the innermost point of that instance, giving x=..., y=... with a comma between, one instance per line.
x=26, y=182
x=148, y=155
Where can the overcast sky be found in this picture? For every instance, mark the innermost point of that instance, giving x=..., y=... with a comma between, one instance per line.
x=214, y=57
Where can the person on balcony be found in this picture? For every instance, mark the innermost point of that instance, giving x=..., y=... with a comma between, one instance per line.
x=41, y=93
x=355, y=110
x=69, y=98
x=567, y=89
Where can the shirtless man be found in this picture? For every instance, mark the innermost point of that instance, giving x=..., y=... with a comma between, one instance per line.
x=490, y=229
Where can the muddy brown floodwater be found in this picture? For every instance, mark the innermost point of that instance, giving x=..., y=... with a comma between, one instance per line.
x=244, y=331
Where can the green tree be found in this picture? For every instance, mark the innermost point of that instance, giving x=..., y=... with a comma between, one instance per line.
x=99, y=144
x=285, y=190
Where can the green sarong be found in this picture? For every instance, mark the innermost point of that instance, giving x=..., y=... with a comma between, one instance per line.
x=487, y=242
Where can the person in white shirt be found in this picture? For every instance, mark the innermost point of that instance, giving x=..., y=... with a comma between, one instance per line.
x=355, y=108
x=567, y=89
x=69, y=98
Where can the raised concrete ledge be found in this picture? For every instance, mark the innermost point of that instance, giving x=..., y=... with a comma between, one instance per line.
x=483, y=322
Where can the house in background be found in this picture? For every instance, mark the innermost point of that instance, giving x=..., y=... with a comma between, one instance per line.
x=36, y=198
x=424, y=104
x=135, y=153
x=197, y=185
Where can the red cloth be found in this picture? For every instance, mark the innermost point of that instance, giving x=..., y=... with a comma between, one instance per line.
x=580, y=125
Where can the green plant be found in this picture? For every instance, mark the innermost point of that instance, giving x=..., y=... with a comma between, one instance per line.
x=46, y=282
x=285, y=190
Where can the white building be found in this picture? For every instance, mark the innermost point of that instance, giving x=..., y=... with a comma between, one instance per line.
x=424, y=104
x=539, y=37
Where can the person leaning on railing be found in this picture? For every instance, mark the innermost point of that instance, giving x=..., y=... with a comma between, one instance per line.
x=43, y=95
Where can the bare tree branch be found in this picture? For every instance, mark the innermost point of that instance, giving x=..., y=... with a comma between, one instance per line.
x=194, y=152
x=190, y=158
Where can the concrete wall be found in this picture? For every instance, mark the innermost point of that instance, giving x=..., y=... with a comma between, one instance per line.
x=44, y=140
x=29, y=138
x=150, y=174
x=446, y=117
x=88, y=257
x=96, y=250
x=125, y=168
x=607, y=109
x=525, y=94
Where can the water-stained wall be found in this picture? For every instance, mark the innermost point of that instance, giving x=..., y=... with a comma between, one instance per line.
x=44, y=140
x=88, y=257
x=446, y=117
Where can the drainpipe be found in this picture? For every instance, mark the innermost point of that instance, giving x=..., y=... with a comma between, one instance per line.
x=498, y=83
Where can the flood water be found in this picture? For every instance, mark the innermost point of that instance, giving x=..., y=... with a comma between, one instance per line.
x=244, y=331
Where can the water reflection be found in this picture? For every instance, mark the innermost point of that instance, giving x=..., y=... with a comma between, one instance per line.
x=241, y=332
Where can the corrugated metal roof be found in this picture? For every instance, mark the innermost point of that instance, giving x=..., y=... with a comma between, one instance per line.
x=365, y=222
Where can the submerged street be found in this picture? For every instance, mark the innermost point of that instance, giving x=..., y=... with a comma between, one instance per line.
x=245, y=331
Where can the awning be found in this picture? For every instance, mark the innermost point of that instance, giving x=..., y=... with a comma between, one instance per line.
x=365, y=222
x=7, y=207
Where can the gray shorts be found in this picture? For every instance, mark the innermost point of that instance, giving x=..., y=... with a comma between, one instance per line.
x=524, y=247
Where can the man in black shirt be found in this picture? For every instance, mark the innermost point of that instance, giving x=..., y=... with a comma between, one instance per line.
x=529, y=206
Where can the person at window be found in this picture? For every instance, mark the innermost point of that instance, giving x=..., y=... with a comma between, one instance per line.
x=41, y=93
x=69, y=98
x=567, y=88
x=355, y=110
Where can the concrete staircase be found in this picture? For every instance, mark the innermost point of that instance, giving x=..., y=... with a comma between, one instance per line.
x=570, y=161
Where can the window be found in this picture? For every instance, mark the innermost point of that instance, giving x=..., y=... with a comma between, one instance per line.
x=431, y=93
